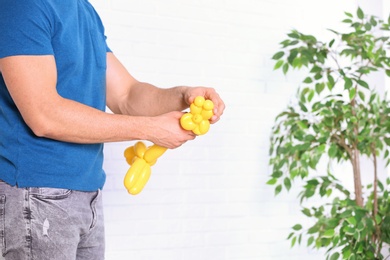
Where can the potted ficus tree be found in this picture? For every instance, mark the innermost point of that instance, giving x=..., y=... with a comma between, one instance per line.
x=337, y=117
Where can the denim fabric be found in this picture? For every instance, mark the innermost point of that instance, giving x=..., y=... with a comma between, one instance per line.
x=50, y=224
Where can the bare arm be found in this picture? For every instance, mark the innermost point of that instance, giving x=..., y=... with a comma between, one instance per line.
x=126, y=95
x=31, y=81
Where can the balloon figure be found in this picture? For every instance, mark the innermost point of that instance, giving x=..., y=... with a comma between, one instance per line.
x=141, y=158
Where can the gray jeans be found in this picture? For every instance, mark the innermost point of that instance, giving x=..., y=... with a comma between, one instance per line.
x=50, y=224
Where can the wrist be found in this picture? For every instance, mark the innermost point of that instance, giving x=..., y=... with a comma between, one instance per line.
x=183, y=96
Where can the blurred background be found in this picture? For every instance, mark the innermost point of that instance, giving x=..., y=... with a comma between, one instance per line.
x=208, y=199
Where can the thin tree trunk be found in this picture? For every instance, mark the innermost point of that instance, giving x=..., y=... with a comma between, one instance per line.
x=357, y=177
x=375, y=184
x=377, y=235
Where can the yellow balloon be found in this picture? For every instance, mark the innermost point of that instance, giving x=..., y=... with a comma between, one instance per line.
x=196, y=130
x=153, y=153
x=133, y=173
x=141, y=158
x=204, y=127
x=197, y=120
x=129, y=154
x=186, y=122
x=199, y=101
x=144, y=176
x=207, y=114
x=195, y=109
x=140, y=149
x=208, y=105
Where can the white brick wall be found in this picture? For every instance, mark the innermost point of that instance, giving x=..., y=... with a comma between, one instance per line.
x=208, y=199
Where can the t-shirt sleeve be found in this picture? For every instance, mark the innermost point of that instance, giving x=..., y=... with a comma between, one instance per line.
x=107, y=47
x=101, y=27
x=25, y=28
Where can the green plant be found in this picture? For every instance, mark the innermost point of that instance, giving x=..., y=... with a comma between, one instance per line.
x=337, y=117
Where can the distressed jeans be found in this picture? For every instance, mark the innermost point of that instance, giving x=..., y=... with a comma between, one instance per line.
x=50, y=224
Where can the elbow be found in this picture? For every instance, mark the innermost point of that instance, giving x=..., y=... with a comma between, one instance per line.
x=41, y=131
x=41, y=128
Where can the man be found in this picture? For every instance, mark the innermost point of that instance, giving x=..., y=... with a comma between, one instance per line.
x=57, y=77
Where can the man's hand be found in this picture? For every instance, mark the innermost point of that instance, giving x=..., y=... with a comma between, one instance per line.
x=168, y=132
x=208, y=93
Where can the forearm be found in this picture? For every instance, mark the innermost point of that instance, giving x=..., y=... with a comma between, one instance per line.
x=145, y=99
x=71, y=121
x=126, y=95
x=31, y=82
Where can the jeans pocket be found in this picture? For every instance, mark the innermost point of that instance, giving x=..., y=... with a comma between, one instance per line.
x=50, y=193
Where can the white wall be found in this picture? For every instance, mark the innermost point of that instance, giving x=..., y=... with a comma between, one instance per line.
x=208, y=199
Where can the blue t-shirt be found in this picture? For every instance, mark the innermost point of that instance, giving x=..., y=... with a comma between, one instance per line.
x=72, y=31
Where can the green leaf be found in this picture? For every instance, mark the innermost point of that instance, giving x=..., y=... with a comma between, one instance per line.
x=278, y=55
x=308, y=80
x=315, y=69
x=373, y=21
x=331, y=81
x=313, y=229
x=378, y=219
x=388, y=73
x=347, y=21
x=303, y=107
x=306, y=211
x=360, y=226
x=362, y=83
x=331, y=43
x=320, y=87
x=310, y=95
x=272, y=181
x=297, y=62
x=285, y=68
x=367, y=26
x=332, y=151
x=297, y=227
x=292, y=56
x=333, y=31
x=293, y=241
x=310, y=241
x=302, y=125
x=352, y=93
x=348, y=83
x=276, y=173
x=285, y=43
x=287, y=183
x=352, y=221
x=348, y=14
x=361, y=95
x=318, y=76
x=293, y=35
x=335, y=256
x=278, y=189
x=346, y=253
x=278, y=64
x=328, y=233
x=346, y=213
x=360, y=13
x=349, y=230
